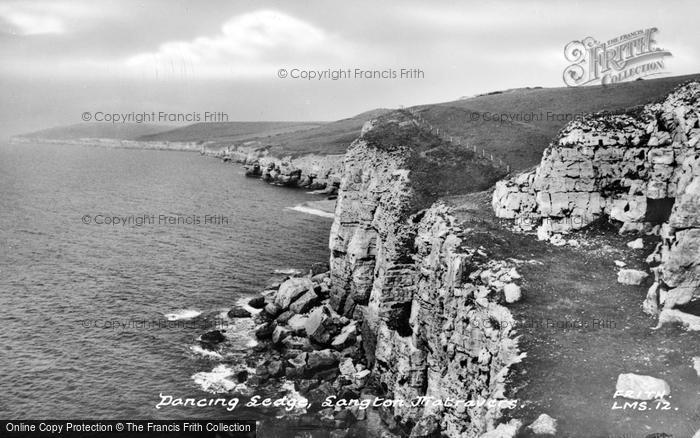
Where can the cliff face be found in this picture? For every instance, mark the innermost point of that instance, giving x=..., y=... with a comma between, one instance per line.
x=640, y=170
x=432, y=322
x=311, y=171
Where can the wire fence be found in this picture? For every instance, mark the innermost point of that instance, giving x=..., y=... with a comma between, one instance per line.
x=447, y=137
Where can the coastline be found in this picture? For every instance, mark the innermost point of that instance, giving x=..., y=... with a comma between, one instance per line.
x=112, y=143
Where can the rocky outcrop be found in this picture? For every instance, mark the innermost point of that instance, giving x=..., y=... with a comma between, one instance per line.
x=678, y=253
x=310, y=171
x=641, y=170
x=314, y=172
x=433, y=324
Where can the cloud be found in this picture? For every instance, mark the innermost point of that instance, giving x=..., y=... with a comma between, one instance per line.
x=249, y=45
x=28, y=20
x=40, y=17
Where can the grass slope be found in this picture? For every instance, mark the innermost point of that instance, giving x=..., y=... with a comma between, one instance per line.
x=229, y=132
x=521, y=142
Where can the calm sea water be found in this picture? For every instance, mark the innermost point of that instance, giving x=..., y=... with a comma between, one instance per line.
x=57, y=272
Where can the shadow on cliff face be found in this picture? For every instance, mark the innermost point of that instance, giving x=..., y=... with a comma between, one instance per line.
x=581, y=328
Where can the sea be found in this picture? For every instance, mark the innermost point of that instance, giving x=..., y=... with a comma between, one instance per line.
x=113, y=262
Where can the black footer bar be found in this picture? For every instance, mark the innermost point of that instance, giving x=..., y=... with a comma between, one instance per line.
x=125, y=428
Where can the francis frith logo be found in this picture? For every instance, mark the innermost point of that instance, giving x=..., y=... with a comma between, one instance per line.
x=624, y=58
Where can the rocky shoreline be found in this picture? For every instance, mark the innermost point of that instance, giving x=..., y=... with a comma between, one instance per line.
x=302, y=340
x=311, y=171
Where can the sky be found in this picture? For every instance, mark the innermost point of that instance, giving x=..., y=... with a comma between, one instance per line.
x=62, y=58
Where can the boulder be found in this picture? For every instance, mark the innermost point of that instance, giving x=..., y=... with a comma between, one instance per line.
x=696, y=364
x=284, y=317
x=504, y=430
x=305, y=302
x=347, y=368
x=257, y=302
x=279, y=333
x=321, y=360
x=297, y=322
x=687, y=320
x=213, y=337
x=544, y=232
x=297, y=343
x=557, y=240
x=265, y=330
x=631, y=276
x=346, y=338
x=297, y=366
x=544, y=425
x=322, y=325
x=276, y=368
x=640, y=387
x=329, y=375
x=512, y=292
x=315, y=319
x=514, y=274
x=238, y=312
x=292, y=289
x=261, y=317
x=360, y=378
x=272, y=309
x=323, y=290
x=636, y=244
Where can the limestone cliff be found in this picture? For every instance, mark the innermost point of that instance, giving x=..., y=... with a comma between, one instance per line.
x=430, y=304
x=310, y=171
x=641, y=170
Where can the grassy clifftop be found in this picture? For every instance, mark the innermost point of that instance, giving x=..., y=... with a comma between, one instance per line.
x=517, y=125
x=229, y=132
x=329, y=138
